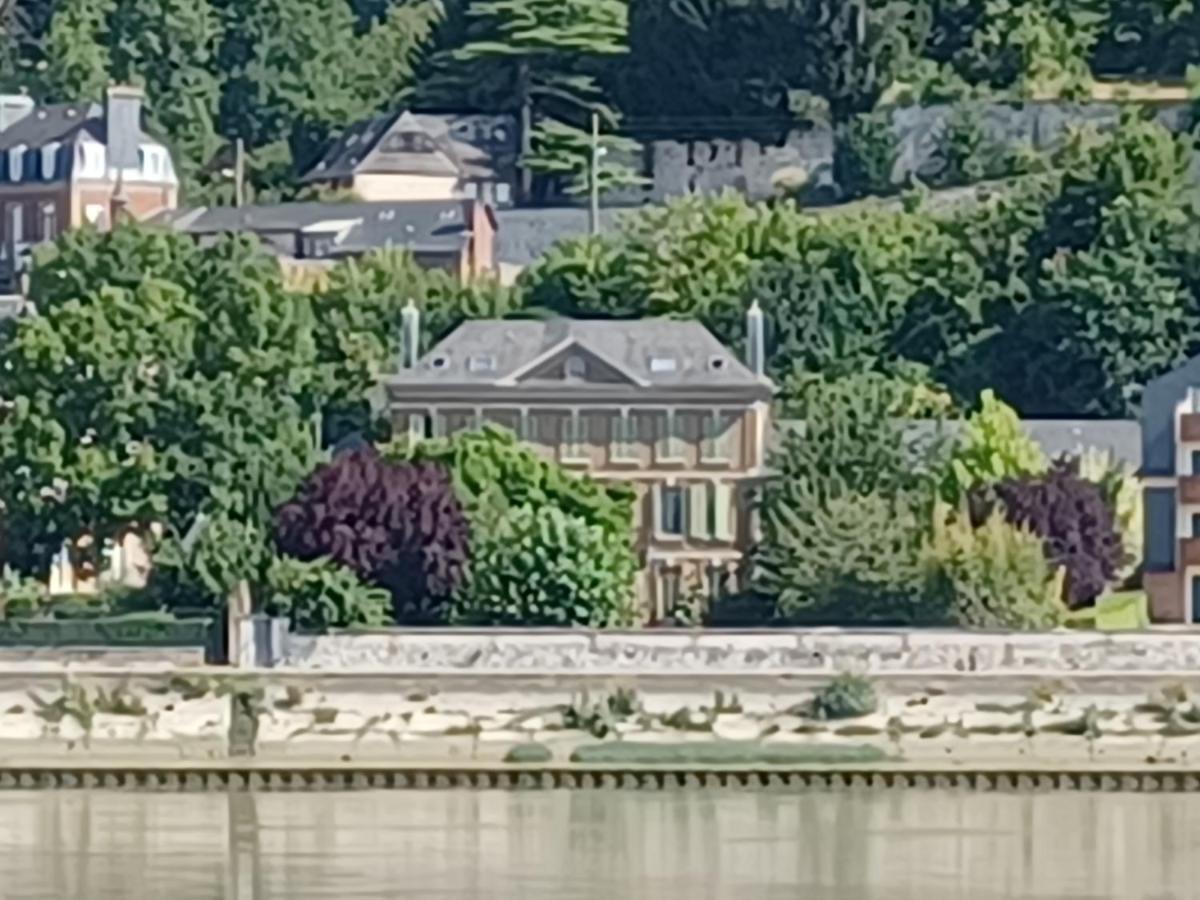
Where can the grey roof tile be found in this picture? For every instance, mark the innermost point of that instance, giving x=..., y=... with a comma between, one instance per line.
x=629, y=346
x=426, y=225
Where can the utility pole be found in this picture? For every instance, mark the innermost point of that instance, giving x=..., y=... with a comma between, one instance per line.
x=239, y=172
x=594, y=177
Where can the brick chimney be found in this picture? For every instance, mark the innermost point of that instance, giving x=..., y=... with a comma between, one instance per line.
x=123, y=125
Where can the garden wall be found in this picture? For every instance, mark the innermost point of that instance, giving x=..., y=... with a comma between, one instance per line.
x=775, y=652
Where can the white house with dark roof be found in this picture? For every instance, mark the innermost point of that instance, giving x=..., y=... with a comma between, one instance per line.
x=422, y=156
x=69, y=164
x=658, y=403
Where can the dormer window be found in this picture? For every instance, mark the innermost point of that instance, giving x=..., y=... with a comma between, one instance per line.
x=50, y=161
x=662, y=364
x=481, y=364
x=408, y=142
x=16, y=162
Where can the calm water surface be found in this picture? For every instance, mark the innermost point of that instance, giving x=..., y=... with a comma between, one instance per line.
x=605, y=845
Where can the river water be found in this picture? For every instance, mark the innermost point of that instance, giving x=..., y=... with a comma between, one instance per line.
x=607, y=845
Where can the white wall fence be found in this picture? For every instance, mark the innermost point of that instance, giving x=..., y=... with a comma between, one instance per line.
x=776, y=652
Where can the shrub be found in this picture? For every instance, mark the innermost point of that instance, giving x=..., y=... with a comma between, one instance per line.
x=1074, y=521
x=399, y=526
x=993, y=446
x=1124, y=494
x=531, y=753
x=544, y=567
x=846, y=697
x=21, y=597
x=317, y=595
x=547, y=547
x=991, y=576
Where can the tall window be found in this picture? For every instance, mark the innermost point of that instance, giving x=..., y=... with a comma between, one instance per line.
x=49, y=221
x=16, y=222
x=717, y=442
x=672, y=504
x=575, y=437
x=16, y=162
x=625, y=437
x=529, y=427
x=670, y=438
x=1196, y=462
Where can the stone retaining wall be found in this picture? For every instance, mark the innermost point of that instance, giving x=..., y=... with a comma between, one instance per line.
x=775, y=652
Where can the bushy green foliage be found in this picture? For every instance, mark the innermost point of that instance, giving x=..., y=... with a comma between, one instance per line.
x=991, y=575
x=846, y=697
x=547, y=547
x=1063, y=291
x=319, y=594
x=544, y=567
x=1123, y=492
x=992, y=447
x=843, y=520
x=159, y=380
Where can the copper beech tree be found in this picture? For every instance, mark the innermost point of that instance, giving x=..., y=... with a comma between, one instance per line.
x=396, y=525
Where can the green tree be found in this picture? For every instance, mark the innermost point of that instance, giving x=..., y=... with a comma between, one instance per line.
x=545, y=53
x=158, y=383
x=844, y=520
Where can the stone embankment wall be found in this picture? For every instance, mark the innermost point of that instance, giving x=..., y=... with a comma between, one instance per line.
x=779, y=653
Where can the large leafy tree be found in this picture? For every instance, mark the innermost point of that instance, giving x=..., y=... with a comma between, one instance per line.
x=160, y=382
x=540, y=59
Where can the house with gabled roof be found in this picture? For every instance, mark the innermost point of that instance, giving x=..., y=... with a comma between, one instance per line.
x=658, y=403
x=418, y=156
x=68, y=164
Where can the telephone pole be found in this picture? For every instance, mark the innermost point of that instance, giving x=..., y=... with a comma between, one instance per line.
x=594, y=178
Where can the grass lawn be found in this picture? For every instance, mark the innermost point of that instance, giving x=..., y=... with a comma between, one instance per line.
x=723, y=753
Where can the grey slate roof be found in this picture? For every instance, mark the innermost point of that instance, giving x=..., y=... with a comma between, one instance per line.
x=524, y=235
x=627, y=345
x=363, y=147
x=1120, y=438
x=432, y=226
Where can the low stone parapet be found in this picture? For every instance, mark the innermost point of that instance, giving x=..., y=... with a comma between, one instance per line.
x=790, y=652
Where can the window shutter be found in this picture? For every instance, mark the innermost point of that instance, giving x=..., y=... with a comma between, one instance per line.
x=697, y=510
x=723, y=511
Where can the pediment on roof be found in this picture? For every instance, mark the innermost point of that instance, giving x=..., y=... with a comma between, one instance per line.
x=571, y=362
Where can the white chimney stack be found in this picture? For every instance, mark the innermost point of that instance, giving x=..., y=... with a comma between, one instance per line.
x=410, y=335
x=756, y=345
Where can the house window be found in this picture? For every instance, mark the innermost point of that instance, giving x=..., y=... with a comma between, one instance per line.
x=670, y=586
x=716, y=445
x=721, y=512
x=1196, y=462
x=575, y=367
x=16, y=222
x=671, y=511
x=625, y=438
x=49, y=221
x=530, y=431
x=661, y=364
x=670, y=439
x=481, y=364
x=1195, y=600
x=50, y=161
x=16, y=162
x=575, y=438
x=1195, y=524
x=417, y=425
